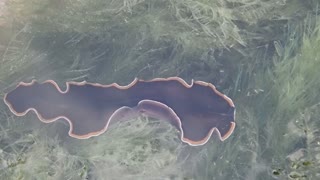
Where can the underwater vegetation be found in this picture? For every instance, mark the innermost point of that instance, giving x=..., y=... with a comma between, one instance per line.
x=262, y=54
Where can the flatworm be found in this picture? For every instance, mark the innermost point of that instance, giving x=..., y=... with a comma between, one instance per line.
x=196, y=110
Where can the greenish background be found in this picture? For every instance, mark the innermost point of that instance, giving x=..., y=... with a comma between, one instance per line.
x=264, y=54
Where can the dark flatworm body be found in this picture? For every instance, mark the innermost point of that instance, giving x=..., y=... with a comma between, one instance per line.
x=196, y=110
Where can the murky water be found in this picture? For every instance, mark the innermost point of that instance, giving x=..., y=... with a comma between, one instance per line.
x=261, y=54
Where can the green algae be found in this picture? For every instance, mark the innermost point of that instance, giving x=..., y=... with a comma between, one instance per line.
x=263, y=54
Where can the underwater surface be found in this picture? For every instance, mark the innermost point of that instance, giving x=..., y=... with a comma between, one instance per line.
x=263, y=54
